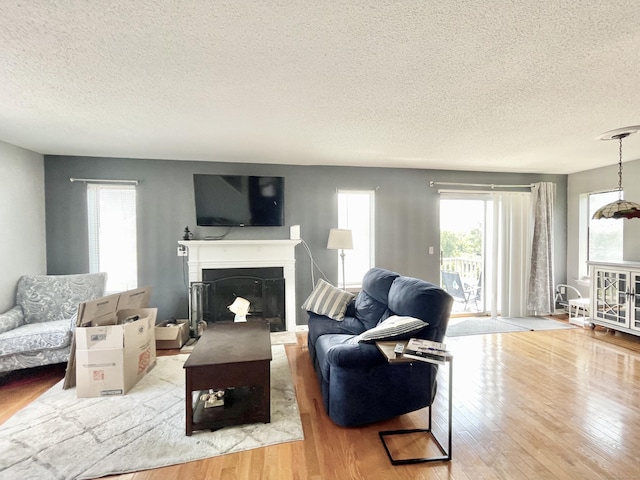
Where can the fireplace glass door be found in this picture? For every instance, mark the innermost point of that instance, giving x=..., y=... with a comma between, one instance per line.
x=262, y=287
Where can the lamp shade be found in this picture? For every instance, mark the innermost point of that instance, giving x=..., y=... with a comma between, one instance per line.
x=340, y=239
x=618, y=209
x=240, y=306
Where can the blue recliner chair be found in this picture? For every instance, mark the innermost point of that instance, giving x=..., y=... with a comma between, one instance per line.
x=358, y=385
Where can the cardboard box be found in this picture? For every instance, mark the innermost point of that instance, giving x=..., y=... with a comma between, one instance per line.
x=168, y=336
x=111, y=359
x=113, y=345
x=112, y=371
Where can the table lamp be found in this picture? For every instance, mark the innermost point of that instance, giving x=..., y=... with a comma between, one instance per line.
x=340, y=239
x=240, y=307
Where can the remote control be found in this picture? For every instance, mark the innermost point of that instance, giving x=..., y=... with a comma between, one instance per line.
x=399, y=349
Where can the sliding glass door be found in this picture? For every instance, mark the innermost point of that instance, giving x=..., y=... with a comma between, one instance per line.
x=466, y=223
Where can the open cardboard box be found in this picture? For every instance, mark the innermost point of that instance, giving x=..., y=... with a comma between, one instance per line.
x=113, y=345
x=172, y=334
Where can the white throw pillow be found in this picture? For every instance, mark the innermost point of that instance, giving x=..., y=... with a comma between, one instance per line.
x=393, y=328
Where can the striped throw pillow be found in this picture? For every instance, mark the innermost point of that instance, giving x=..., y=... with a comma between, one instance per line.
x=328, y=300
x=393, y=328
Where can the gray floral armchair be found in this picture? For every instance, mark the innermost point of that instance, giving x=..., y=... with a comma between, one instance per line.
x=38, y=329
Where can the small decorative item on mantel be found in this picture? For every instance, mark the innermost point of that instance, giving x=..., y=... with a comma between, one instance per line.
x=187, y=234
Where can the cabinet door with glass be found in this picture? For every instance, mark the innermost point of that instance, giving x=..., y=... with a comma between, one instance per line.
x=634, y=301
x=610, y=289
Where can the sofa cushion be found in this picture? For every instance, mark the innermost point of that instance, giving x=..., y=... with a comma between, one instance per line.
x=44, y=298
x=371, y=302
x=393, y=328
x=412, y=297
x=320, y=325
x=35, y=337
x=327, y=300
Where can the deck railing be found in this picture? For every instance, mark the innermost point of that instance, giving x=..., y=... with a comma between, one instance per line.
x=468, y=268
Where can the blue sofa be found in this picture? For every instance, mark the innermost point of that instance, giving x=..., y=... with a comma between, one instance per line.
x=358, y=385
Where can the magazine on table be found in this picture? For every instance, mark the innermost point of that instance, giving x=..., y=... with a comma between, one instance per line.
x=427, y=351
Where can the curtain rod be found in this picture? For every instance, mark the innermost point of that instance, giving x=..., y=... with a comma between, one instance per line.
x=103, y=180
x=485, y=185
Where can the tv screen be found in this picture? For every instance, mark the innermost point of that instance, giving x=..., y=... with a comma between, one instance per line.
x=239, y=200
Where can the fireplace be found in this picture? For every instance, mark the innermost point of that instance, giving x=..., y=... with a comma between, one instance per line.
x=262, y=287
x=247, y=257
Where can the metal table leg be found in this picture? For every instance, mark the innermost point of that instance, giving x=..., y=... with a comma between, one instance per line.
x=446, y=453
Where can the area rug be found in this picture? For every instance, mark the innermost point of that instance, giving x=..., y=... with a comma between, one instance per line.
x=59, y=436
x=538, y=323
x=485, y=325
x=283, y=338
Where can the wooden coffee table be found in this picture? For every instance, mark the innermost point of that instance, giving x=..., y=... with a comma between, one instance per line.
x=233, y=357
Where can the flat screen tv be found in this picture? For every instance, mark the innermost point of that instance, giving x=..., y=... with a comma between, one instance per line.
x=239, y=200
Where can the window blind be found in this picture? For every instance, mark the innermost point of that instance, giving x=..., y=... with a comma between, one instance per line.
x=111, y=213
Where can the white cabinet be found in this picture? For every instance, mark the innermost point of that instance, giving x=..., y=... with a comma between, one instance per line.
x=615, y=296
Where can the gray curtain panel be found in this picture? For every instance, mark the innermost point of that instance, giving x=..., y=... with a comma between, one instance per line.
x=541, y=298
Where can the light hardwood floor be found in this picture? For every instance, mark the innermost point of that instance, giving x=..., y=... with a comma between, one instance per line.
x=562, y=404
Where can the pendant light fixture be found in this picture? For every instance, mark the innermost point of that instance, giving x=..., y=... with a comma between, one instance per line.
x=620, y=208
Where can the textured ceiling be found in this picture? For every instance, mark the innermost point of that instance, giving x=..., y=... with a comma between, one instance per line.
x=522, y=86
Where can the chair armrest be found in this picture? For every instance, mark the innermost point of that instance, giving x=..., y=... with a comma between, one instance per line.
x=73, y=321
x=355, y=355
x=11, y=319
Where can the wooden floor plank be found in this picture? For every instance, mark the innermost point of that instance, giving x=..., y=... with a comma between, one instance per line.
x=556, y=405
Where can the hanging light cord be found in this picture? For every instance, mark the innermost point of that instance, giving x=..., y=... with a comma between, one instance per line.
x=620, y=168
x=620, y=137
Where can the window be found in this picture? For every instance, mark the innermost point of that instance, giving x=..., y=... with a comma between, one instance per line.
x=356, y=212
x=604, y=240
x=112, y=234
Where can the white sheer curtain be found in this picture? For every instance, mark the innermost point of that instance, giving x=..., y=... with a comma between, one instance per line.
x=511, y=253
x=541, y=295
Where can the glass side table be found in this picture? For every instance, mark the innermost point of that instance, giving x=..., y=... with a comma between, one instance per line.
x=387, y=350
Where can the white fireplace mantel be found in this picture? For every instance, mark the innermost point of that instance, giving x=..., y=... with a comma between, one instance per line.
x=212, y=254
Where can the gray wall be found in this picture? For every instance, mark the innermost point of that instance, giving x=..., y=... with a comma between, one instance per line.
x=22, y=216
x=406, y=217
x=596, y=180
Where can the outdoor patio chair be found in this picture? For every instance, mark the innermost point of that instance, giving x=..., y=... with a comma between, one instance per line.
x=570, y=300
x=460, y=291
